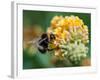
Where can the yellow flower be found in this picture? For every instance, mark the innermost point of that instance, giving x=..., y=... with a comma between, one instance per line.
x=55, y=21
x=58, y=30
x=68, y=27
x=85, y=27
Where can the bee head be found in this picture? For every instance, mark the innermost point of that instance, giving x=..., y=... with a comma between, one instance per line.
x=52, y=36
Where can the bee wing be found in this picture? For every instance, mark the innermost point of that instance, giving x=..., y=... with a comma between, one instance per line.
x=34, y=41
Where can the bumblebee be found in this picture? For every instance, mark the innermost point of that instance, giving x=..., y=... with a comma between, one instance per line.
x=44, y=41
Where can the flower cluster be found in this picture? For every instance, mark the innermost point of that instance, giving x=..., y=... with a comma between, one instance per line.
x=72, y=37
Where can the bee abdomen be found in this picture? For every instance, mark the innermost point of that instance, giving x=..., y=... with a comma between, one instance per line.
x=43, y=51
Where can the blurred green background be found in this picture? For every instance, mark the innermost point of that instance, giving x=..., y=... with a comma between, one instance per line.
x=34, y=24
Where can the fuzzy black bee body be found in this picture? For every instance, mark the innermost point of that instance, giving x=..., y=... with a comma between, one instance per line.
x=44, y=41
